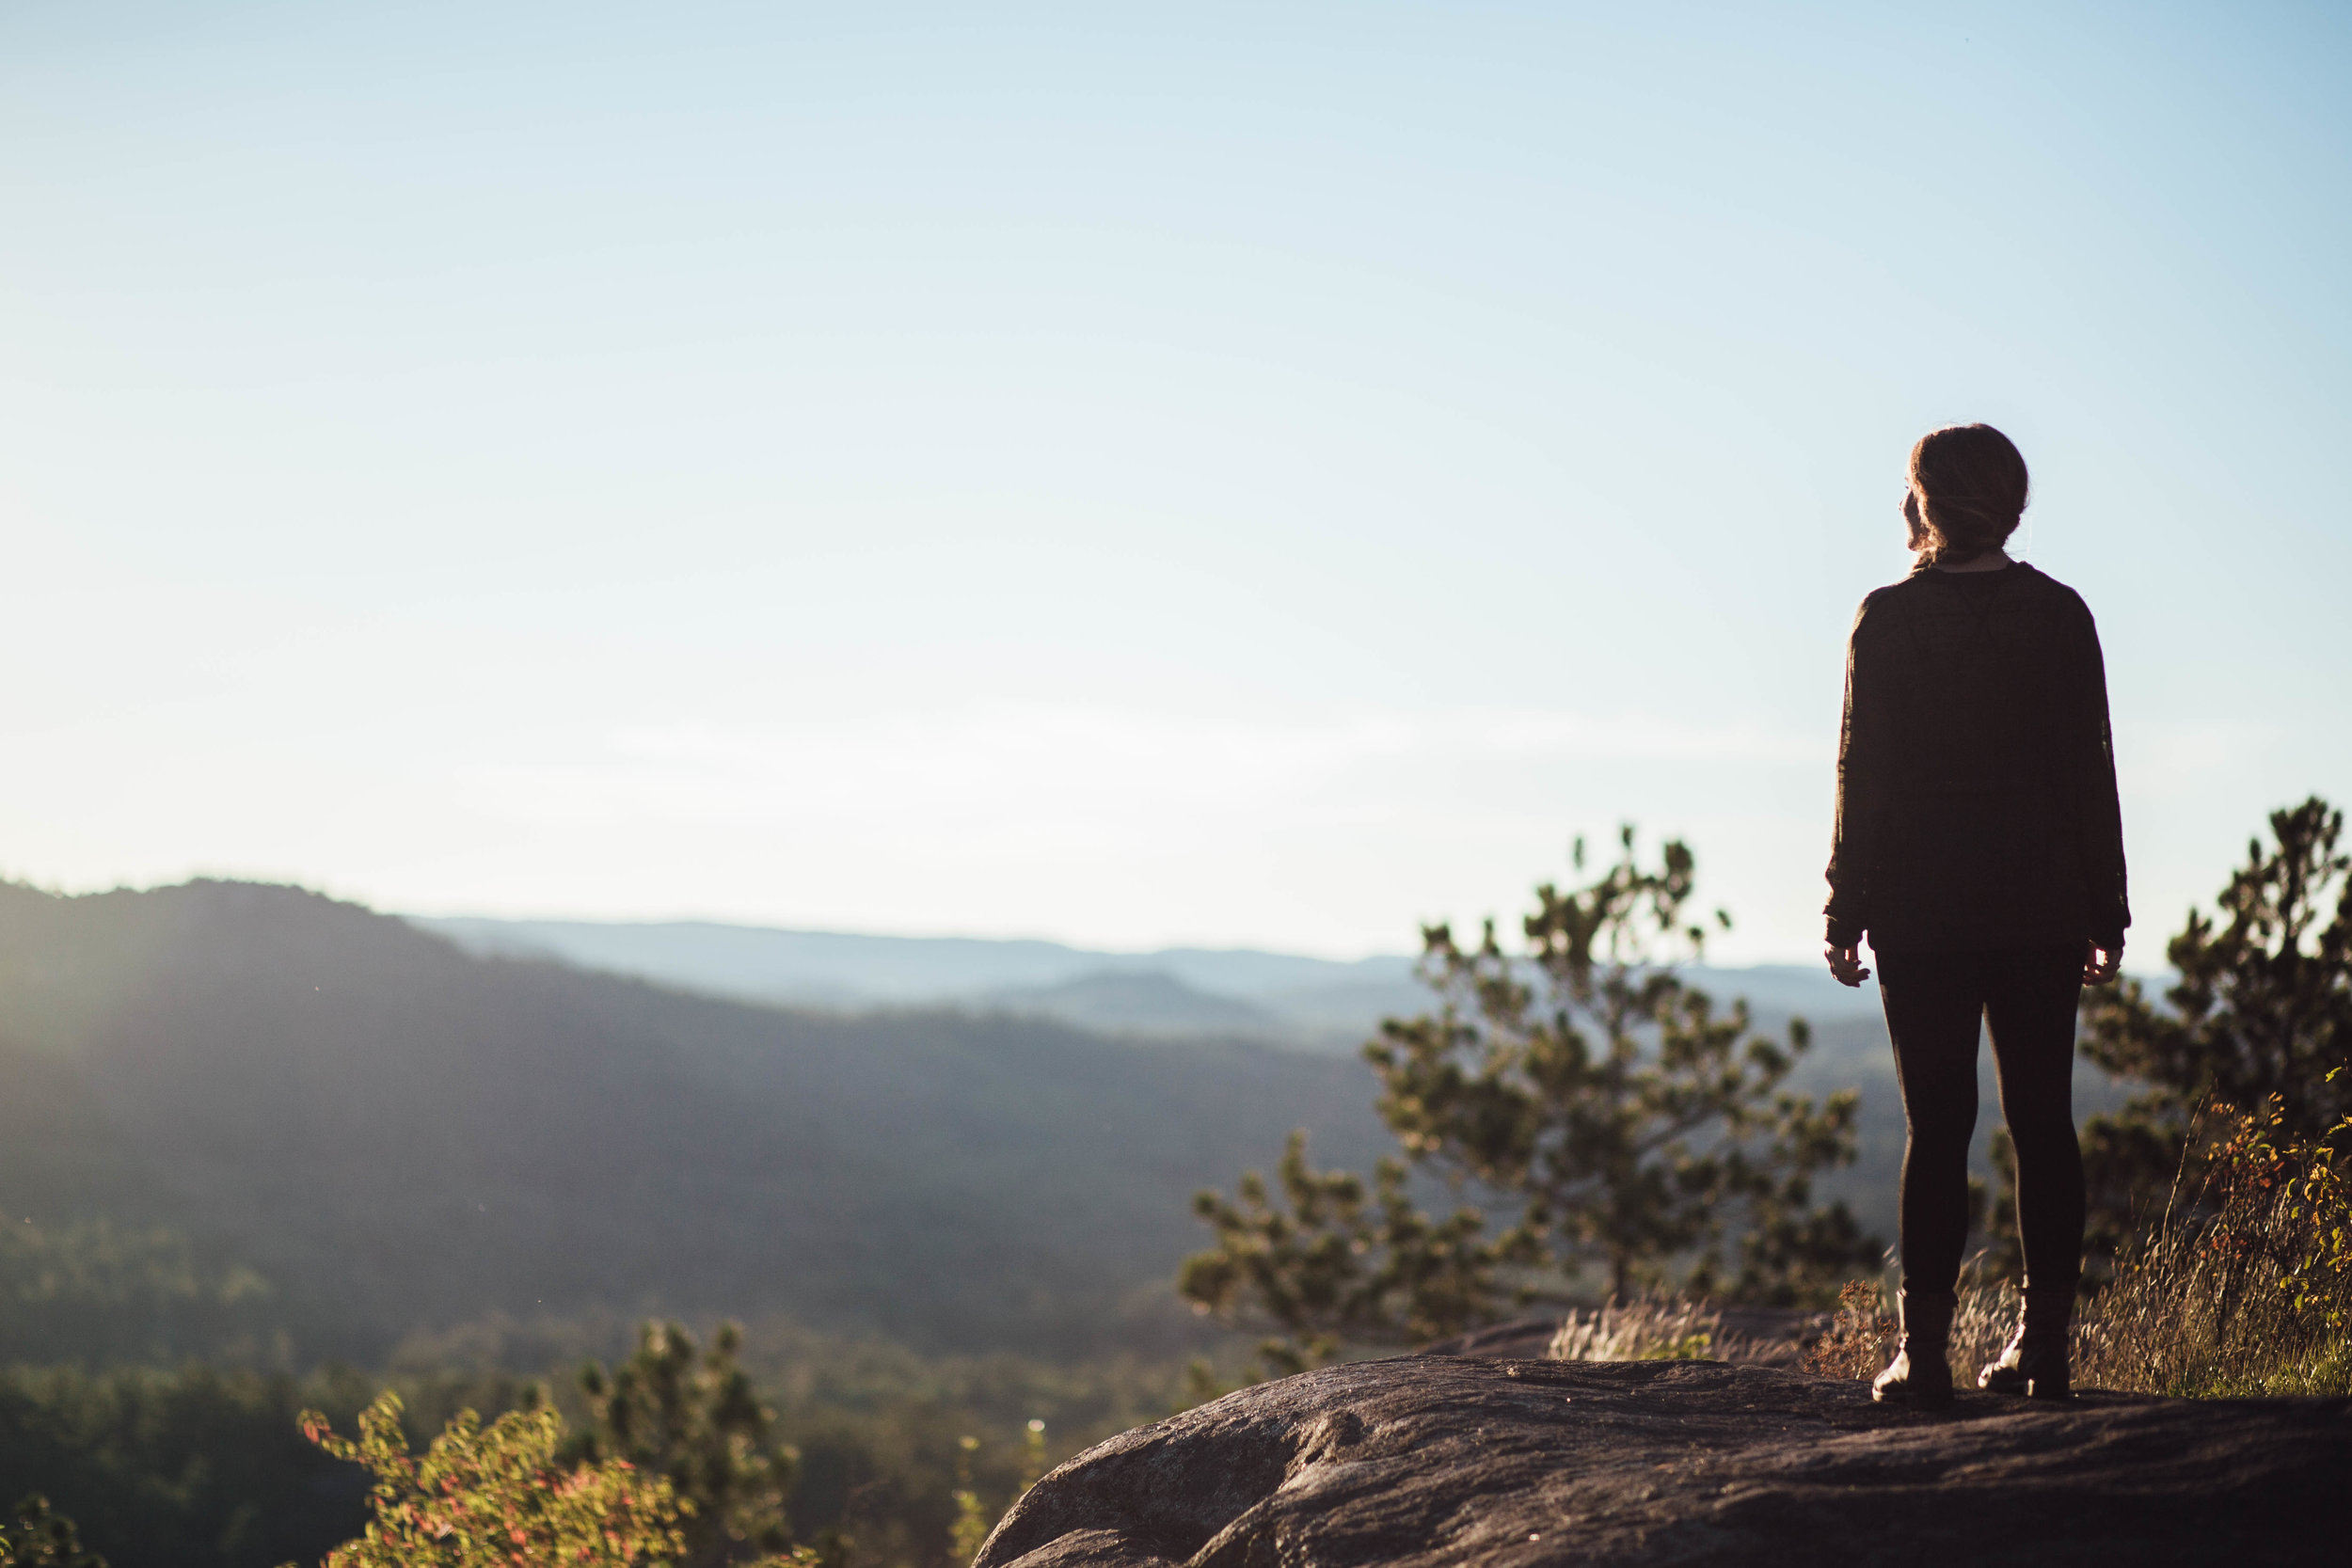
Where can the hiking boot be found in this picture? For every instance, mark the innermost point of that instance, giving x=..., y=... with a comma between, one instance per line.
x=1919, y=1375
x=2034, y=1364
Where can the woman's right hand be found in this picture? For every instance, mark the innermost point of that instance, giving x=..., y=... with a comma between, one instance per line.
x=1845, y=964
x=2100, y=966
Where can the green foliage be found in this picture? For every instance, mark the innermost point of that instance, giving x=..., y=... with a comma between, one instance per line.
x=204, y=1465
x=879, y=1429
x=695, y=1420
x=192, y=1466
x=497, y=1496
x=1620, y=1119
x=974, y=1522
x=2245, y=1286
x=95, y=1289
x=42, y=1538
x=2259, y=1009
x=2287, y=1201
x=2262, y=1009
x=1334, y=1263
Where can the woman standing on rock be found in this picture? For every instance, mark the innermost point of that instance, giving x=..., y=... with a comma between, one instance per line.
x=1981, y=849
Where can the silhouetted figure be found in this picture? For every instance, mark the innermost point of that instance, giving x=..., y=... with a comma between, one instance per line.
x=1981, y=849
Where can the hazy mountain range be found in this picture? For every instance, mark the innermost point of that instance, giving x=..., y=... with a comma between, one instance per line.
x=1286, y=998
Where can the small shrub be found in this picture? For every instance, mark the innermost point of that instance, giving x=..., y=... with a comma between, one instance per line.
x=42, y=1538
x=489, y=1497
x=498, y=1497
x=1861, y=1338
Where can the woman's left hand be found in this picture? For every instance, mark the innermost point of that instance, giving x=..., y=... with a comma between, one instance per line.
x=2100, y=966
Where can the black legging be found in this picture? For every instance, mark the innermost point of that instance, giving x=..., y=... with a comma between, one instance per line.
x=1934, y=1003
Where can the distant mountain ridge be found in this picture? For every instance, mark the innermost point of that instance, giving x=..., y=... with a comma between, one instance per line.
x=1285, y=997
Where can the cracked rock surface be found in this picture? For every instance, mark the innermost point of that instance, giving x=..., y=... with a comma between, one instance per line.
x=1437, y=1459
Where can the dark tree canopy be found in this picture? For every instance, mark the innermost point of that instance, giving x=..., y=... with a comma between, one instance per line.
x=42, y=1538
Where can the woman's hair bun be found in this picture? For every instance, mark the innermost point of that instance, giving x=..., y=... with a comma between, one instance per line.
x=1972, y=487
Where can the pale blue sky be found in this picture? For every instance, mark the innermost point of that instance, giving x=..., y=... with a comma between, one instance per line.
x=1254, y=474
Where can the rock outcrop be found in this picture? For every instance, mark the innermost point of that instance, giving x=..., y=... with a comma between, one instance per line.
x=1437, y=1458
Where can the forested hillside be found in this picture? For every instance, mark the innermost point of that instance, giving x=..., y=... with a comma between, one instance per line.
x=1280, y=998
x=396, y=1136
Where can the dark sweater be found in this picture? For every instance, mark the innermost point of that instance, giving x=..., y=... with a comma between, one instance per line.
x=1976, y=780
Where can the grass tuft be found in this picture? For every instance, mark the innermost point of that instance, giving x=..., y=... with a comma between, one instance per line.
x=1647, y=1328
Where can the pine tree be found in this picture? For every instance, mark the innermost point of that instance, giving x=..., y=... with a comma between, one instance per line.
x=2263, y=1008
x=1615, y=1119
x=693, y=1418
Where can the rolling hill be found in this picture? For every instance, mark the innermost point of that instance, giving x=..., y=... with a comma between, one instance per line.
x=398, y=1135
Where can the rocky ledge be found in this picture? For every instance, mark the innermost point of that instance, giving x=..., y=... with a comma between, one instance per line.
x=1439, y=1459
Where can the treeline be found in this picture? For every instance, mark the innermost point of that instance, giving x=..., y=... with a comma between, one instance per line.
x=96, y=1290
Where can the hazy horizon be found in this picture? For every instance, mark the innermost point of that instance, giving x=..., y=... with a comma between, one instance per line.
x=1261, y=476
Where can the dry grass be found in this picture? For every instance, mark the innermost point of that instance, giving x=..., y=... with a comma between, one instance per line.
x=2242, y=1286
x=1648, y=1329
x=2182, y=1321
x=1982, y=1321
x=1861, y=1340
